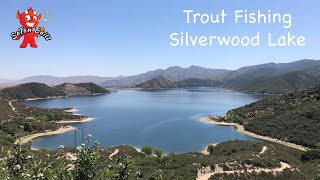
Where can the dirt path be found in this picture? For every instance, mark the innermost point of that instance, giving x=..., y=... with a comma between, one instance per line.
x=113, y=154
x=12, y=107
x=241, y=129
x=263, y=150
x=219, y=170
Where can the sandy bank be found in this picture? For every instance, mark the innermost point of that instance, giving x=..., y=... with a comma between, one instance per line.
x=75, y=121
x=35, y=99
x=205, y=150
x=241, y=129
x=71, y=110
x=26, y=139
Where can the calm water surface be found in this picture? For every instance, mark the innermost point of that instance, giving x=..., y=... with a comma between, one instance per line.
x=166, y=119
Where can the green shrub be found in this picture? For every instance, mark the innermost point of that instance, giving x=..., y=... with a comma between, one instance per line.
x=147, y=150
x=311, y=155
x=158, y=152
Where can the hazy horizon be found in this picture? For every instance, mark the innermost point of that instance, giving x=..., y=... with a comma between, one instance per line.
x=77, y=75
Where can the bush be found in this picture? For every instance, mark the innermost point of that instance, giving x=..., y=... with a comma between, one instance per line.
x=210, y=149
x=158, y=152
x=147, y=150
x=311, y=155
x=86, y=162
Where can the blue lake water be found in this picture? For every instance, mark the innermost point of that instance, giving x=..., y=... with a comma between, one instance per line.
x=166, y=119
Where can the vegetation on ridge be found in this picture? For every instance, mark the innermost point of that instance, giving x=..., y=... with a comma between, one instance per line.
x=38, y=90
x=293, y=117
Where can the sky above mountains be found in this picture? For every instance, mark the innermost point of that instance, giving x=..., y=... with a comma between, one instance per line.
x=111, y=38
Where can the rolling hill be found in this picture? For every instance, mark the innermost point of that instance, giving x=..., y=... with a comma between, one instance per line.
x=39, y=90
x=53, y=81
x=30, y=90
x=172, y=74
x=162, y=83
x=281, y=84
x=247, y=74
x=156, y=83
x=270, y=77
x=293, y=117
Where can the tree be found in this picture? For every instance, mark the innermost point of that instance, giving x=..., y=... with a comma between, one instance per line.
x=210, y=149
x=158, y=152
x=147, y=150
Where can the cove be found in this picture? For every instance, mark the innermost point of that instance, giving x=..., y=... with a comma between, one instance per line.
x=165, y=119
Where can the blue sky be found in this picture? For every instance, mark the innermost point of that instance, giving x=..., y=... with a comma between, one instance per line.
x=125, y=37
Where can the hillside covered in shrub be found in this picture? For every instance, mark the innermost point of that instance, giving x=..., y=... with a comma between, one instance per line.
x=293, y=117
x=39, y=90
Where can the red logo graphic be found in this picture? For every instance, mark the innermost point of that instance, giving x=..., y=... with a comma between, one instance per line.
x=29, y=21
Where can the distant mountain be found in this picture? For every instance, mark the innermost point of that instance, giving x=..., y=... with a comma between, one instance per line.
x=249, y=73
x=162, y=83
x=6, y=81
x=52, y=81
x=293, y=117
x=156, y=83
x=246, y=78
x=172, y=74
x=195, y=82
x=40, y=90
x=281, y=84
x=315, y=71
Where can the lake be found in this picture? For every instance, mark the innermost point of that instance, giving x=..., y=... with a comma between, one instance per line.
x=165, y=119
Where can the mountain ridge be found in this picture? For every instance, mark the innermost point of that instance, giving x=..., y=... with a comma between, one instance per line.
x=230, y=79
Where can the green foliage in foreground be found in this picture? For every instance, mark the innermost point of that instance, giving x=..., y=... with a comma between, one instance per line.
x=94, y=163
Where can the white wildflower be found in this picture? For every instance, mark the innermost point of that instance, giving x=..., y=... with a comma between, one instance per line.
x=40, y=175
x=79, y=148
x=17, y=167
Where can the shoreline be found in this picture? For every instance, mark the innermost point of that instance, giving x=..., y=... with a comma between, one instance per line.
x=28, y=138
x=75, y=121
x=240, y=129
x=73, y=110
x=61, y=130
x=205, y=150
x=55, y=97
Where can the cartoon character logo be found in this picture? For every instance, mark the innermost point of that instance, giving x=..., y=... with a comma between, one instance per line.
x=29, y=21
